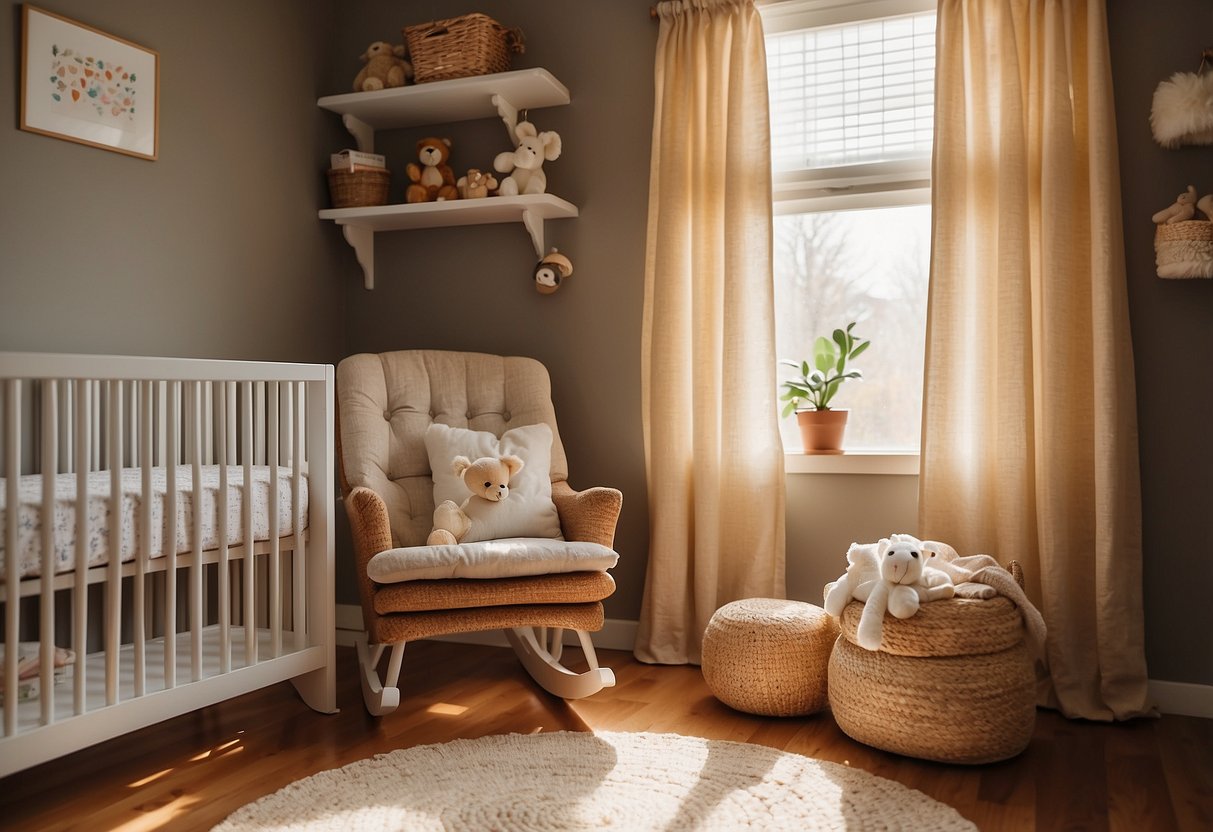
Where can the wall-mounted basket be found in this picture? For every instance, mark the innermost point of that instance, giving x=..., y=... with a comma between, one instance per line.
x=1184, y=249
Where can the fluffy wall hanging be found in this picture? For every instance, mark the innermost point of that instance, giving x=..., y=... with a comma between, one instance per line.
x=1182, y=112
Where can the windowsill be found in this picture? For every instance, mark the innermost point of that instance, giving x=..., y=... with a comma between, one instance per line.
x=852, y=462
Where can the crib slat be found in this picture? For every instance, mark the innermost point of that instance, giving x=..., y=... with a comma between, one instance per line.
x=84, y=432
x=298, y=605
x=139, y=601
x=65, y=426
x=196, y=567
x=95, y=427
x=221, y=504
x=113, y=582
x=132, y=427
x=275, y=556
x=173, y=449
x=46, y=604
x=259, y=422
x=12, y=574
x=248, y=618
x=208, y=423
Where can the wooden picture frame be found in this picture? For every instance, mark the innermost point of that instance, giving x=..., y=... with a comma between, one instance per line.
x=83, y=85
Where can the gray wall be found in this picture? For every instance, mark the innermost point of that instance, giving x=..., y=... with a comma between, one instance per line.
x=470, y=288
x=1172, y=322
x=214, y=249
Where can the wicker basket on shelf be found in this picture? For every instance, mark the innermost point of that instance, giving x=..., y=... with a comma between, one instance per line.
x=458, y=47
x=1184, y=249
x=358, y=188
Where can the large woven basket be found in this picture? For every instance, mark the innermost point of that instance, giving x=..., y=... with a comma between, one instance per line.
x=1184, y=249
x=953, y=683
x=358, y=188
x=459, y=47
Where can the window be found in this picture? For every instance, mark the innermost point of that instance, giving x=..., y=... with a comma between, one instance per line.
x=852, y=106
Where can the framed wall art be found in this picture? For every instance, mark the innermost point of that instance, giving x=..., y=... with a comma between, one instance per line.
x=83, y=85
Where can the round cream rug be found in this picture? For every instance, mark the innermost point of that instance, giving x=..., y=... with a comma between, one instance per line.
x=571, y=781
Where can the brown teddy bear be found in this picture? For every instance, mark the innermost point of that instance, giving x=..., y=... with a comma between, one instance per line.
x=488, y=478
x=385, y=67
x=433, y=179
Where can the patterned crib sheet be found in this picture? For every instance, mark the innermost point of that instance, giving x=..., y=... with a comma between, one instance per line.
x=31, y=513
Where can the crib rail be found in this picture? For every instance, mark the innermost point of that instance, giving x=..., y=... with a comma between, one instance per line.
x=68, y=423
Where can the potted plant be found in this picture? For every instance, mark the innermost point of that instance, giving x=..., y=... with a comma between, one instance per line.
x=821, y=429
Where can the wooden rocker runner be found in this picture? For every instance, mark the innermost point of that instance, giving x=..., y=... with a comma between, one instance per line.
x=534, y=590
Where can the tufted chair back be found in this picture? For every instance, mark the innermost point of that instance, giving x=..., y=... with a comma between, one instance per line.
x=386, y=401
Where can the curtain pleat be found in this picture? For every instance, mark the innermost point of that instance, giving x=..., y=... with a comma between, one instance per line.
x=1029, y=445
x=714, y=459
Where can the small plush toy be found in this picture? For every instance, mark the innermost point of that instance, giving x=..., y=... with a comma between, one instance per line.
x=476, y=184
x=1182, y=209
x=888, y=575
x=432, y=180
x=488, y=478
x=525, y=163
x=549, y=271
x=385, y=67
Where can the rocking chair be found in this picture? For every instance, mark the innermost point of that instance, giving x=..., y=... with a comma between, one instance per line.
x=385, y=402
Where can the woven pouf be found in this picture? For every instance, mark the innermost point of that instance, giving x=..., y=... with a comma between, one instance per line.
x=766, y=656
x=952, y=683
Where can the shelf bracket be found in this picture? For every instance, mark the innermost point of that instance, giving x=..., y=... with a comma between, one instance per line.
x=362, y=132
x=533, y=222
x=509, y=115
x=362, y=240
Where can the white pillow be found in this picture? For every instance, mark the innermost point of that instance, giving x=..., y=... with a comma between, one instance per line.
x=514, y=558
x=528, y=511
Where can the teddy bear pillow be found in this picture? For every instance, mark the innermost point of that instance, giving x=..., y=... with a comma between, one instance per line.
x=528, y=511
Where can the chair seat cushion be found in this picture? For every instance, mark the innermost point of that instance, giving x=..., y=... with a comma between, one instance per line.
x=510, y=558
x=469, y=593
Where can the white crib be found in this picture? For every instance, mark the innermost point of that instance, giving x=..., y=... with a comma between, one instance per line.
x=210, y=574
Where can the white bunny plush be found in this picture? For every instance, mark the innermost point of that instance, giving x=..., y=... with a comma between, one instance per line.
x=524, y=164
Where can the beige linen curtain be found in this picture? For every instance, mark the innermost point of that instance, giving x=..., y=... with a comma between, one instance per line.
x=712, y=449
x=1030, y=431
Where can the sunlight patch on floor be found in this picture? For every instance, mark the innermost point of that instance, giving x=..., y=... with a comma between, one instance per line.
x=203, y=755
x=160, y=818
x=151, y=778
x=446, y=709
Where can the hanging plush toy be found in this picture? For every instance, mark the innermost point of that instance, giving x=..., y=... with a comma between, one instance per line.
x=553, y=268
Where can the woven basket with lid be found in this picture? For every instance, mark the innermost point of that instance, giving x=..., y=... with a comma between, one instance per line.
x=459, y=47
x=952, y=683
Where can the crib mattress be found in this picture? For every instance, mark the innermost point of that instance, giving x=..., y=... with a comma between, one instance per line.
x=32, y=513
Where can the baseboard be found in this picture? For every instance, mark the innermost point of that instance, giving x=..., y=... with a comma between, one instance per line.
x=616, y=634
x=1182, y=698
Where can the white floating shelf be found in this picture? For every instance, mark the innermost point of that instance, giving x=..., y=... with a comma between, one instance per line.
x=440, y=102
x=360, y=224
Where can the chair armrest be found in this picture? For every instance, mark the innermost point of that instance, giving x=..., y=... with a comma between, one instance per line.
x=372, y=534
x=588, y=515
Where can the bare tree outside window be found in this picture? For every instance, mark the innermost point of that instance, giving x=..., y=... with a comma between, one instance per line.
x=868, y=266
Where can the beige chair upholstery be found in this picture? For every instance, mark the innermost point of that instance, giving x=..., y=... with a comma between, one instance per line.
x=385, y=402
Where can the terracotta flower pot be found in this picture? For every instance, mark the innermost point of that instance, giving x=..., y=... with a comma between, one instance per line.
x=821, y=430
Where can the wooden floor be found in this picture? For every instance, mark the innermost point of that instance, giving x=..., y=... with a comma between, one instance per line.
x=192, y=771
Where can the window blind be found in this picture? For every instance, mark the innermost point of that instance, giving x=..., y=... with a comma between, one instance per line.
x=856, y=93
